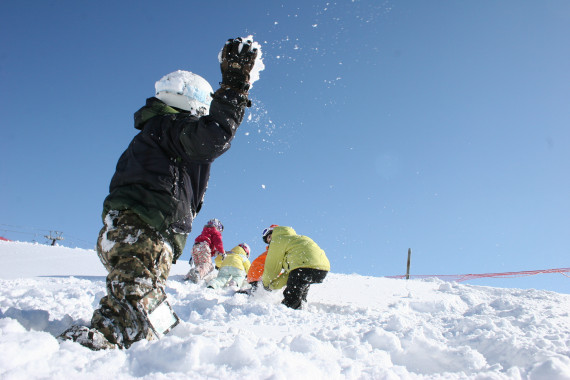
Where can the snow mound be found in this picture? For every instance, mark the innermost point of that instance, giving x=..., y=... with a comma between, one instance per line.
x=354, y=327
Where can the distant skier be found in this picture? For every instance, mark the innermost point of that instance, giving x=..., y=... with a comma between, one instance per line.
x=157, y=190
x=233, y=268
x=207, y=245
x=292, y=260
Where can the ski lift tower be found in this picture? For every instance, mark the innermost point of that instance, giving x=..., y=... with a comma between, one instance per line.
x=54, y=236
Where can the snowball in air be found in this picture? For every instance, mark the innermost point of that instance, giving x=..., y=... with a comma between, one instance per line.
x=258, y=66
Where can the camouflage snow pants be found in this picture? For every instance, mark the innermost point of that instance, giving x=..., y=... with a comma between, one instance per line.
x=138, y=261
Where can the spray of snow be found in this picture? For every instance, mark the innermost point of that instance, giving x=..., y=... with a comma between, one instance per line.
x=265, y=133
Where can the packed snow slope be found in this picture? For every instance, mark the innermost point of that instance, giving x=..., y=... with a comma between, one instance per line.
x=354, y=327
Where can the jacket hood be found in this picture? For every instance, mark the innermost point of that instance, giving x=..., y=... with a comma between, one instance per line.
x=152, y=108
x=239, y=250
x=283, y=230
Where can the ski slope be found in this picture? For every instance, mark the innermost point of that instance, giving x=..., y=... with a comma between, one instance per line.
x=354, y=327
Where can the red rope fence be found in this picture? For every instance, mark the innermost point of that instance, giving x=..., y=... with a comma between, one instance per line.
x=466, y=277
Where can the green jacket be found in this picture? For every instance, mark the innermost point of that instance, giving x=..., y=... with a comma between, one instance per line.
x=163, y=174
x=289, y=251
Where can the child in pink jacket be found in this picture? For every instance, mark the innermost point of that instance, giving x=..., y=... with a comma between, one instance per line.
x=207, y=245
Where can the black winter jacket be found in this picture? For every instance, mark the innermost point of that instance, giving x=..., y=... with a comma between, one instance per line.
x=164, y=173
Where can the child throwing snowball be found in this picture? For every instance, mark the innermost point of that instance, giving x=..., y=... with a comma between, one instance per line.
x=158, y=189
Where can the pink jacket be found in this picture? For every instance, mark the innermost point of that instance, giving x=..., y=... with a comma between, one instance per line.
x=214, y=239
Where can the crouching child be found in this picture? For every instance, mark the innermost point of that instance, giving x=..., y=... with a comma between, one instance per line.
x=233, y=268
x=207, y=245
x=295, y=261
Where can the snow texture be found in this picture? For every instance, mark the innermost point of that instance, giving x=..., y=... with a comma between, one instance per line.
x=353, y=327
x=184, y=90
x=178, y=83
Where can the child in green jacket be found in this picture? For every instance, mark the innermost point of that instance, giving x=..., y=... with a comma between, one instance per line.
x=293, y=260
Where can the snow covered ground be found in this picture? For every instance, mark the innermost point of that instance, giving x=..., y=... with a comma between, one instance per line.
x=354, y=327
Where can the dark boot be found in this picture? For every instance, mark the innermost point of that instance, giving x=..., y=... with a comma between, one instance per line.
x=88, y=337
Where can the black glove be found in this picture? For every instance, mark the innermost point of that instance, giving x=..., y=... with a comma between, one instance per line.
x=236, y=64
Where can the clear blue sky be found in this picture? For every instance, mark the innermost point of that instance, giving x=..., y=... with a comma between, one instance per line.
x=377, y=126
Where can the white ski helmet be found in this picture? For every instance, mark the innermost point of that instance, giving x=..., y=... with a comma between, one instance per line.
x=185, y=90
